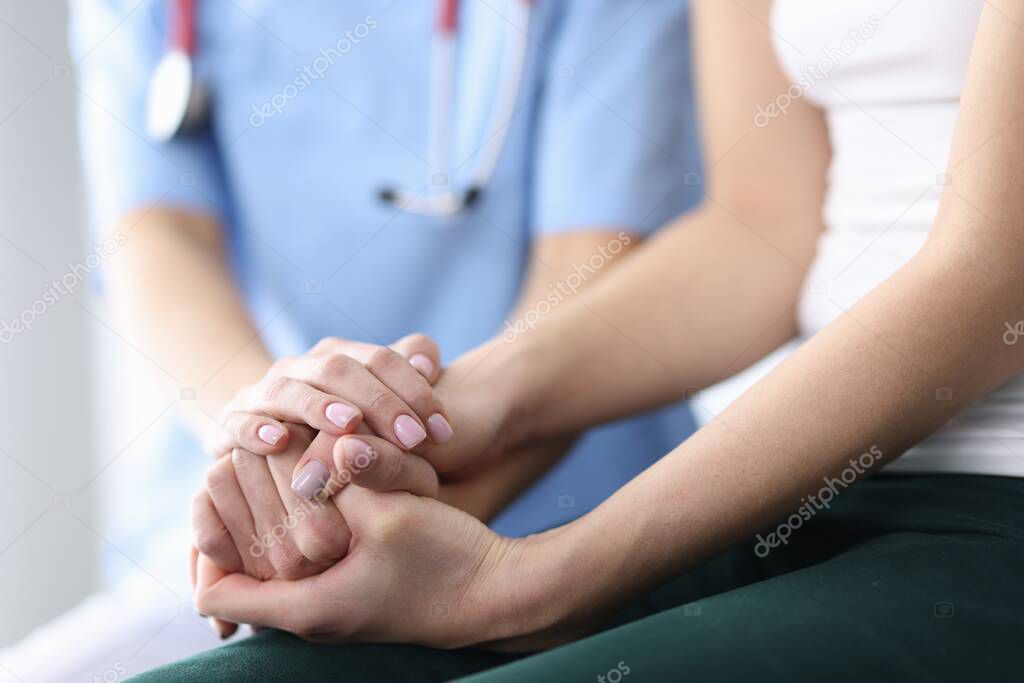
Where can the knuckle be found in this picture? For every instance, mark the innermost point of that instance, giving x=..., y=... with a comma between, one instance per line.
x=320, y=545
x=327, y=344
x=382, y=358
x=287, y=562
x=240, y=458
x=219, y=473
x=422, y=396
x=421, y=342
x=211, y=540
x=276, y=389
x=334, y=365
x=382, y=401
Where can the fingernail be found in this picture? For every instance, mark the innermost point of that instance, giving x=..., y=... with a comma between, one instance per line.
x=270, y=434
x=409, y=431
x=217, y=627
x=358, y=454
x=440, y=430
x=311, y=480
x=422, y=363
x=340, y=414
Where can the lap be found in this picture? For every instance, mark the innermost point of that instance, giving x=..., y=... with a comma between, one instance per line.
x=902, y=577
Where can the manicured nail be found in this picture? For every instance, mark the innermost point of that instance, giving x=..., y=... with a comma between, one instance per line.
x=270, y=434
x=340, y=414
x=409, y=431
x=440, y=430
x=311, y=480
x=422, y=363
x=358, y=454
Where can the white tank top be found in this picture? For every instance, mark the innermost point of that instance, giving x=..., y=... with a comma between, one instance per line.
x=888, y=76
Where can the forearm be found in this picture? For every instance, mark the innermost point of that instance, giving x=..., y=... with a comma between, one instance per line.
x=173, y=294
x=866, y=384
x=691, y=306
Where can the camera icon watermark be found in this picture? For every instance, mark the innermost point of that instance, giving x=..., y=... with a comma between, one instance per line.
x=691, y=610
x=818, y=287
x=944, y=179
x=944, y=394
x=943, y=609
x=566, y=71
x=187, y=179
x=1013, y=333
x=314, y=287
x=61, y=71
x=566, y=501
x=187, y=394
x=439, y=609
x=439, y=180
x=61, y=501
x=693, y=179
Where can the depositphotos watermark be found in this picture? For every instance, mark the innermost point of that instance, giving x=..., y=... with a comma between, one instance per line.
x=564, y=289
x=813, y=503
x=261, y=544
x=314, y=71
x=818, y=71
x=62, y=287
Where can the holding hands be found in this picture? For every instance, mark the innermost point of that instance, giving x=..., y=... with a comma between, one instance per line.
x=282, y=539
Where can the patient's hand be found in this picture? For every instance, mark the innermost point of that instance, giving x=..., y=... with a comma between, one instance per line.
x=249, y=520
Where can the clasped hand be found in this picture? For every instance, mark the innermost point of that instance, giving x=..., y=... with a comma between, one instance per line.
x=320, y=517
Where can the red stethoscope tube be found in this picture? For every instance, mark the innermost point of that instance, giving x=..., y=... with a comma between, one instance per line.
x=182, y=26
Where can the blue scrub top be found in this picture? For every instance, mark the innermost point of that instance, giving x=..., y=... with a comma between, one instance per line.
x=316, y=105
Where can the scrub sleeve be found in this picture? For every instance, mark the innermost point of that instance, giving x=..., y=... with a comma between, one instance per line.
x=902, y=578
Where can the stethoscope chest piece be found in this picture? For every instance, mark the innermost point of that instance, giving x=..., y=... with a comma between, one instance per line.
x=176, y=102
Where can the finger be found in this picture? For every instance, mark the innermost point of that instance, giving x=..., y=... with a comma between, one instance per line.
x=211, y=537
x=396, y=373
x=318, y=529
x=313, y=471
x=383, y=411
x=292, y=400
x=295, y=606
x=373, y=463
x=422, y=353
x=233, y=510
x=273, y=523
x=207, y=574
x=255, y=433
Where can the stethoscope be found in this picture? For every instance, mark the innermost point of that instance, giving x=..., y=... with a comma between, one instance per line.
x=178, y=104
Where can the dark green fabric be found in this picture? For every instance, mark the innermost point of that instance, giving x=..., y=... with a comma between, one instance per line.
x=903, y=578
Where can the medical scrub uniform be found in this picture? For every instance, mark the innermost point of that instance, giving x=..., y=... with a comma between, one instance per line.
x=315, y=106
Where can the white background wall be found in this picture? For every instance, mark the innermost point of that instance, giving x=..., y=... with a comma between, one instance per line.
x=48, y=555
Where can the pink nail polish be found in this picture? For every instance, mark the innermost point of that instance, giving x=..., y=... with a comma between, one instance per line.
x=408, y=431
x=340, y=414
x=440, y=430
x=422, y=363
x=311, y=480
x=270, y=434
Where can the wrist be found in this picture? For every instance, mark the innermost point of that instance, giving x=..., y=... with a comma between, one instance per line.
x=551, y=590
x=508, y=378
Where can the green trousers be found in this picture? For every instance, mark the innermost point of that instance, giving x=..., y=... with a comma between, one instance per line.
x=902, y=578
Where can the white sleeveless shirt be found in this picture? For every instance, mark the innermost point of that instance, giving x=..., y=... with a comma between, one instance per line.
x=888, y=76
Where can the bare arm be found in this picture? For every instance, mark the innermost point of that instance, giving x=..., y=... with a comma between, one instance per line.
x=552, y=262
x=171, y=288
x=868, y=380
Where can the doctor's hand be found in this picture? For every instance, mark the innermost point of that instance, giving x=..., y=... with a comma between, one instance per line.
x=248, y=519
x=338, y=386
